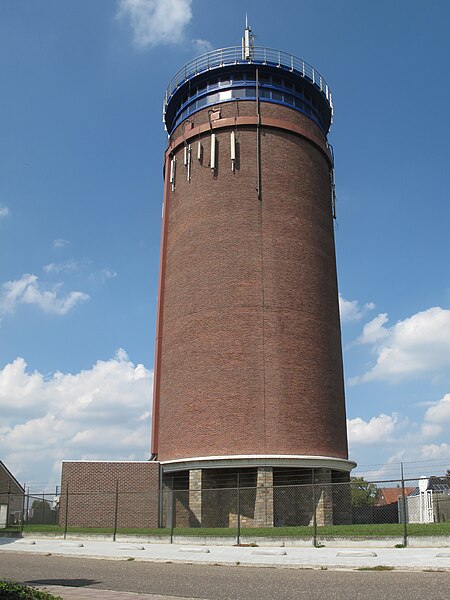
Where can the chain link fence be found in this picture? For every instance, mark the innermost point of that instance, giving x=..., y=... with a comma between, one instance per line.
x=318, y=512
x=19, y=509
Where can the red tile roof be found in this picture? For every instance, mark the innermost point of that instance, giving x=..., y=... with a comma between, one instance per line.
x=392, y=494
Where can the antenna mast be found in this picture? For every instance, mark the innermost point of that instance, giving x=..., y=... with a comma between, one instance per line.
x=248, y=42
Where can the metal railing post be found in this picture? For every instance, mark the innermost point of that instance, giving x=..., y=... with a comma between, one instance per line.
x=116, y=510
x=66, y=515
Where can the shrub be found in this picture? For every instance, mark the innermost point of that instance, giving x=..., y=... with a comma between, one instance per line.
x=11, y=590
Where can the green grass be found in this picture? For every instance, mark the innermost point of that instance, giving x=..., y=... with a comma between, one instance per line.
x=359, y=531
x=384, y=530
x=90, y=530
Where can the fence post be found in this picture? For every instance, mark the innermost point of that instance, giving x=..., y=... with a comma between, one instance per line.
x=66, y=516
x=405, y=526
x=116, y=510
x=314, y=509
x=23, y=510
x=238, y=512
x=172, y=512
x=43, y=508
x=28, y=502
x=161, y=498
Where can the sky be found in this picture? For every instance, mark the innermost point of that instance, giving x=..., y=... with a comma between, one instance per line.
x=81, y=157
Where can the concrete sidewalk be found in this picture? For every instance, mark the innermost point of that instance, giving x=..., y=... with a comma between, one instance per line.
x=329, y=557
x=405, y=559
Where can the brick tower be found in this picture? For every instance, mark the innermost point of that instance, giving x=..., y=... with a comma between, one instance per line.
x=248, y=367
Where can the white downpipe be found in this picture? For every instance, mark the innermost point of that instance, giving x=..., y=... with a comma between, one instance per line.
x=189, y=163
x=233, y=150
x=213, y=152
x=173, y=163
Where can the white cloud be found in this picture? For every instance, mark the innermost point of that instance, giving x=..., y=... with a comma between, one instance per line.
x=68, y=266
x=390, y=469
x=411, y=348
x=4, y=211
x=436, y=451
x=28, y=290
x=422, y=446
x=60, y=243
x=102, y=275
x=350, y=310
x=76, y=266
x=440, y=411
x=378, y=430
x=437, y=418
x=156, y=21
x=202, y=46
x=431, y=430
x=98, y=414
x=374, y=331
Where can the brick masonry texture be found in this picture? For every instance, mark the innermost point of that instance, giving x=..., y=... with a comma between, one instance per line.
x=11, y=494
x=92, y=494
x=251, y=348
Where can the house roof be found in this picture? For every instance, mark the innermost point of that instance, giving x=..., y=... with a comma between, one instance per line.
x=392, y=494
x=9, y=475
x=435, y=484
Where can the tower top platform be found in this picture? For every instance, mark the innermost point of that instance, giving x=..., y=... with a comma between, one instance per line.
x=229, y=74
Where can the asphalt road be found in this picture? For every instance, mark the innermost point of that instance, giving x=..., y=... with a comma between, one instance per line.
x=223, y=583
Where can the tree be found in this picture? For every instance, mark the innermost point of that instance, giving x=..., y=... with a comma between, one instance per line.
x=364, y=493
x=42, y=513
x=41, y=505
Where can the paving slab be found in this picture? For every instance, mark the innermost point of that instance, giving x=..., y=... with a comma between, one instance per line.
x=78, y=593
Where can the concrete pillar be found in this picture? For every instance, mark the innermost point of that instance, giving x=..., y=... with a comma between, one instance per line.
x=324, y=497
x=168, y=515
x=264, y=497
x=195, y=497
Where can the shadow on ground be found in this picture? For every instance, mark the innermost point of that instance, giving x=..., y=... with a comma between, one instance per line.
x=66, y=582
x=9, y=540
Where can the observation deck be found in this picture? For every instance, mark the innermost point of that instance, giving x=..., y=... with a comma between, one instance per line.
x=230, y=74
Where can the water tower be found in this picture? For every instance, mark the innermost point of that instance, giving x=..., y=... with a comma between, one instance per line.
x=248, y=368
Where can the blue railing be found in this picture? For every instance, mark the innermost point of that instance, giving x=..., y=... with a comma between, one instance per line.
x=258, y=55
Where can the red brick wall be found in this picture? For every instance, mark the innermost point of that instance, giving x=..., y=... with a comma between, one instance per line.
x=251, y=349
x=92, y=494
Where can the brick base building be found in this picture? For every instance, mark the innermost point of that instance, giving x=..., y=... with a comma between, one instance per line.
x=105, y=493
